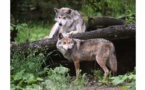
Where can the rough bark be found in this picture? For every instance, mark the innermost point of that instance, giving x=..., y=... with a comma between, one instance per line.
x=40, y=45
x=101, y=22
x=110, y=33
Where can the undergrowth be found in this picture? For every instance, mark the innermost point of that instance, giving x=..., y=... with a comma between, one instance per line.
x=31, y=31
x=27, y=74
x=127, y=81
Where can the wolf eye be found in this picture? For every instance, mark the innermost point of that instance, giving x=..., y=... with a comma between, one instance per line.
x=64, y=42
x=59, y=42
x=64, y=17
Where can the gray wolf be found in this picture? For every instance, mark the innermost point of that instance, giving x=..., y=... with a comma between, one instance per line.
x=76, y=50
x=67, y=21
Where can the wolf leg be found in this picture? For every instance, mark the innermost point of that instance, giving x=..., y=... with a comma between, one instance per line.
x=77, y=67
x=53, y=30
x=102, y=64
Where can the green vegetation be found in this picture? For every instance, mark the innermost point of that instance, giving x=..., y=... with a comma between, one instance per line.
x=34, y=19
x=127, y=81
x=37, y=17
x=31, y=31
x=27, y=74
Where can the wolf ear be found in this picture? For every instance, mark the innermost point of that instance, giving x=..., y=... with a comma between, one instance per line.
x=69, y=11
x=56, y=10
x=60, y=36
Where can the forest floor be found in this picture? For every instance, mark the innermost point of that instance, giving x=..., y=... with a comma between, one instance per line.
x=102, y=88
x=92, y=85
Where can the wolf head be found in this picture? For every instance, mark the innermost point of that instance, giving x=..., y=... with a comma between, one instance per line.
x=65, y=15
x=65, y=42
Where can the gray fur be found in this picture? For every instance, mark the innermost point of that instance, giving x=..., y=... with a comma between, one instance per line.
x=101, y=50
x=70, y=20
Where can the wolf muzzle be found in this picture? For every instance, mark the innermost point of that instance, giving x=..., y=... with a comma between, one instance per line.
x=60, y=24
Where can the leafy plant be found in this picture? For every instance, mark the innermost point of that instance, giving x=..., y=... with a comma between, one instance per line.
x=98, y=74
x=58, y=79
x=30, y=31
x=24, y=70
x=130, y=18
x=119, y=9
x=31, y=63
x=128, y=78
x=121, y=79
x=26, y=74
x=79, y=83
x=22, y=78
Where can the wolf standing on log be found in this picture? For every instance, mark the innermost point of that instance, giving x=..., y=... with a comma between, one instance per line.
x=67, y=21
x=101, y=50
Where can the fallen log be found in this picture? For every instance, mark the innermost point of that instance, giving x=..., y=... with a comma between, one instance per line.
x=123, y=37
x=106, y=21
x=93, y=23
x=102, y=22
x=110, y=33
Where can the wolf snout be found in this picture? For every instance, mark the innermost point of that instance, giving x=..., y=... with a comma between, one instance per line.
x=60, y=24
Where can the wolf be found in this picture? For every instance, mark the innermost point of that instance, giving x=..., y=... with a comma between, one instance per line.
x=76, y=50
x=67, y=21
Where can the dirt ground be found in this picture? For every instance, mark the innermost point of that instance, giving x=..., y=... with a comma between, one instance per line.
x=101, y=88
x=93, y=86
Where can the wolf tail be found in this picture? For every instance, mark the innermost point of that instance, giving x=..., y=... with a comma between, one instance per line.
x=112, y=62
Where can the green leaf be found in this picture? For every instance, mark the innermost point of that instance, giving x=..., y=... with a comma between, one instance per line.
x=124, y=88
x=117, y=80
x=29, y=78
x=11, y=28
x=39, y=79
x=61, y=70
x=20, y=83
x=24, y=25
x=133, y=85
x=132, y=77
x=19, y=75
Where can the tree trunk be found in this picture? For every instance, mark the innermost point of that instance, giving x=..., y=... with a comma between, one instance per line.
x=110, y=33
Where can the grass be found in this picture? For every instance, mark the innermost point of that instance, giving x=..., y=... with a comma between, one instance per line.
x=32, y=32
